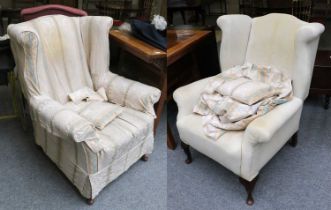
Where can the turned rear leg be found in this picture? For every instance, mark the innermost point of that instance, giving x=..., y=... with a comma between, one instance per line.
x=90, y=201
x=294, y=140
x=144, y=158
x=249, y=187
x=187, y=151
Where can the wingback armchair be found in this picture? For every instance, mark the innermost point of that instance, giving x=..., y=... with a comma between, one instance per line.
x=57, y=55
x=278, y=40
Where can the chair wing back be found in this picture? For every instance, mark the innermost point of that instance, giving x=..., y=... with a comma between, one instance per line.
x=272, y=41
x=52, y=54
x=235, y=35
x=95, y=36
x=279, y=40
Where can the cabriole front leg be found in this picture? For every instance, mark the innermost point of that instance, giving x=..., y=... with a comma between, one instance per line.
x=249, y=187
x=144, y=158
x=187, y=151
x=90, y=201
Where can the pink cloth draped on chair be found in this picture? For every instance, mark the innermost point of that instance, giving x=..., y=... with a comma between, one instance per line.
x=50, y=9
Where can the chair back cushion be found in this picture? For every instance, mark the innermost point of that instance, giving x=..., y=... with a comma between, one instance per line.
x=272, y=41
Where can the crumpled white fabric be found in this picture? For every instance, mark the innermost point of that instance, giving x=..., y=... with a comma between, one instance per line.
x=100, y=113
x=239, y=95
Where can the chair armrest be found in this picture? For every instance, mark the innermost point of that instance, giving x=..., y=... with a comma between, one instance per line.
x=60, y=121
x=264, y=128
x=188, y=96
x=132, y=94
x=266, y=135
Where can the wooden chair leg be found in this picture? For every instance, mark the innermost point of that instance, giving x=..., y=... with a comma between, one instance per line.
x=249, y=186
x=294, y=140
x=170, y=139
x=187, y=151
x=144, y=158
x=90, y=201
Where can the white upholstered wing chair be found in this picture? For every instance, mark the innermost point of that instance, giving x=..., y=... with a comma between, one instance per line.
x=57, y=55
x=279, y=40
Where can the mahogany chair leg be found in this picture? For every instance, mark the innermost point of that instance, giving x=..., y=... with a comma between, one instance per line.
x=144, y=158
x=294, y=140
x=187, y=151
x=249, y=186
x=170, y=139
x=90, y=201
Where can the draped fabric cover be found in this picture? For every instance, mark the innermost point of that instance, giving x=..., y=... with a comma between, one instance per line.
x=239, y=95
x=58, y=55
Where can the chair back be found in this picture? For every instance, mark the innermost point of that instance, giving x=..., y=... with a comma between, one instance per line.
x=50, y=9
x=272, y=41
x=56, y=55
x=279, y=40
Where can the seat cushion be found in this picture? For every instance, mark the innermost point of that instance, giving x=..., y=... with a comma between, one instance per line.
x=226, y=150
x=125, y=132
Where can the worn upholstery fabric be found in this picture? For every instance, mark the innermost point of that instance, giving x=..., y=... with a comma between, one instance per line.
x=259, y=40
x=132, y=94
x=56, y=56
x=239, y=95
x=60, y=121
x=100, y=113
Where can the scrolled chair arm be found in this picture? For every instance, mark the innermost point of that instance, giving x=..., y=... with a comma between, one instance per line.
x=188, y=96
x=263, y=128
x=61, y=121
x=131, y=94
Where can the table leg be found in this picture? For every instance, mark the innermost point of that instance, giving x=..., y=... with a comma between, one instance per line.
x=161, y=102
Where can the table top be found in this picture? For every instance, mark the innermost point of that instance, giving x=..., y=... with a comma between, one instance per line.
x=323, y=58
x=137, y=47
x=182, y=41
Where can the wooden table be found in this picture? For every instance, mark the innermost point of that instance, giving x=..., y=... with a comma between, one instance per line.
x=321, y=80
x=152, y=56
x=180, y=44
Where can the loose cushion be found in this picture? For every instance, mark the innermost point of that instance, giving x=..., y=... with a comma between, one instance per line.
x=252, y=92
x=101, y=113
x=245, y=90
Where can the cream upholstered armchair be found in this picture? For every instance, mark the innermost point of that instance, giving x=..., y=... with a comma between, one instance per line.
x=279, y=40
x=92, y=140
